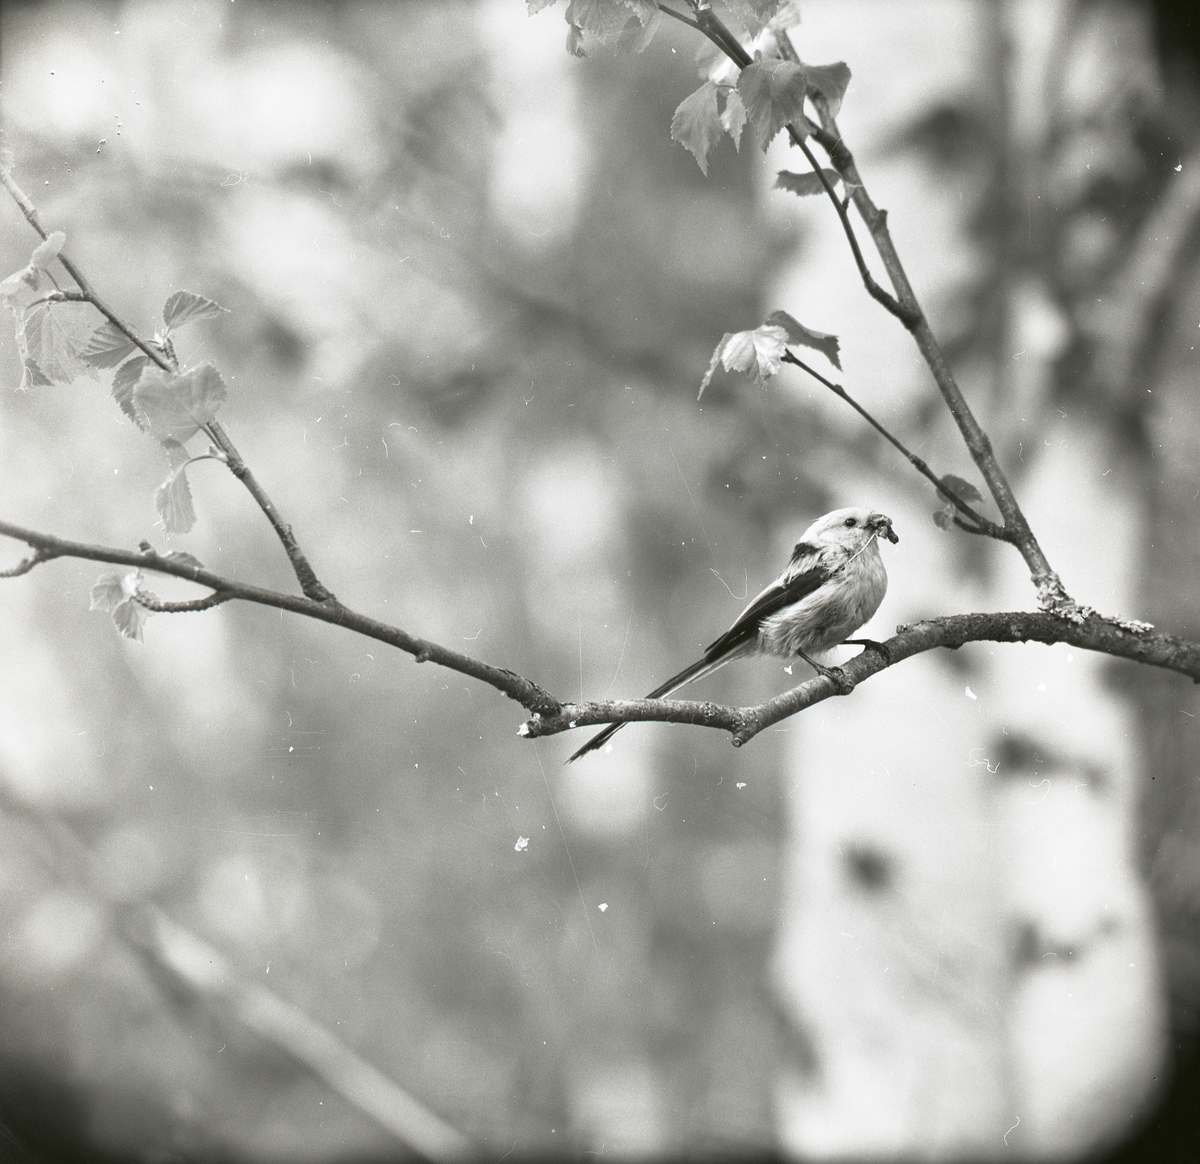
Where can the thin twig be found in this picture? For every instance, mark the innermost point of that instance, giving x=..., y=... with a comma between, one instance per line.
x=679, y=16
x=216, y=598
x=1052, y=595
x=305, y=574
x=517, y=688
x=301, y=567
x=902, y=313
x=26, y=564
x=31, y=216
x=982, y=524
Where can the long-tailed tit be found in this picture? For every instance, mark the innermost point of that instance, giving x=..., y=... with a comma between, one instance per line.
x=833, y=584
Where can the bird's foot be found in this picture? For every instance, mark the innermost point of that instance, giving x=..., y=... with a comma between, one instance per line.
x=872, y=645
x=835, y=675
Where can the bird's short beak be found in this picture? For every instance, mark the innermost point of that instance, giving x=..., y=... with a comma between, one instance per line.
x=883, y=526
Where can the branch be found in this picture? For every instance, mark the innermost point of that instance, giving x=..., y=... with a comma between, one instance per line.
x=31, y=216
x=1052, y=596
x=1119, y=638
x=1121, y=326
x=523, y=691
x=982, y=524
x=303, y=570
x=301, y=567
x=202, y=972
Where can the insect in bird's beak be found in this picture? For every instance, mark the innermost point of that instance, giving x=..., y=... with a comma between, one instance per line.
x=883, y=527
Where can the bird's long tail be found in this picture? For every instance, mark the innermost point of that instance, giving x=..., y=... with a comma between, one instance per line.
x=702, y=667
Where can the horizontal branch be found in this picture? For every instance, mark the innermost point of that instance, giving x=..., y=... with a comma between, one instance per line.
x=1121, y=639
x=522, y=691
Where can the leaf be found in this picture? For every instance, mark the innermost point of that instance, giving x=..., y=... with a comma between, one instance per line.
x=575, y=41
x=48, y=344
x=805, y=184
x=19, y=289
x=758, y=353
x=830, y=81
x=941, y=518
x=535, y=6
x=697, y=125
x=773, y=92
x=962, y=488
x=787, y=15
x=712, y=364
x=637, y=34
x=107, y=346
x=107, y=592
x=797, y=333
x=177, y=407
x=116, y=595
x=734, y=117
x=47, y=250
x=123, y=384
x=752, y=15
x=603, y=19
x=185, y=306
x=173, y=500
x=130, y=617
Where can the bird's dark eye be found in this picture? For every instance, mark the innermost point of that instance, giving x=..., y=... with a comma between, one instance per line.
x=851, y=522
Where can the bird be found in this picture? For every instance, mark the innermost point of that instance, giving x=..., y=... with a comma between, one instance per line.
x=833, y=583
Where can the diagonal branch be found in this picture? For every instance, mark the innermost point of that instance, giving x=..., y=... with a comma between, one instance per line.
x=1119, y=638
x=1052, y=596
x=981, y=524
x=302, y=568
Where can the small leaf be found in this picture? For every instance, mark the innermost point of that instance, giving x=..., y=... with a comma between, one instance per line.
x=19, y=290
x=601, y=20
x=107, y=592
x=47, y=250
x=185, y=306
x=535, y=6
x=173, y=501
x=123, y=384
x=46, y=339
x=712, y=364
x=942, y=519
x=830, y=81
x=773, y=92
x=734, y=116
x=177, y=407
x=107, y=346
x=962, y=488
x=697, y=125
x=786, y=16
x=797, y=333
x=115, y=594
x=752, y=15
x=757, y=352
x=129, y=618
x=638, y=33
x=805, y=184
x=575, y=41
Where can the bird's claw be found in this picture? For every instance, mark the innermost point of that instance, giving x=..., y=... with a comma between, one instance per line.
x=872, y=645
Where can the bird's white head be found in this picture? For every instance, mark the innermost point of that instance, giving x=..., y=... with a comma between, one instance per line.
x=850, y=528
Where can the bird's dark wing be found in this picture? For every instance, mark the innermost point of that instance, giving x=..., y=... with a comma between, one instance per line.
x=773, y=599
x=676, y=681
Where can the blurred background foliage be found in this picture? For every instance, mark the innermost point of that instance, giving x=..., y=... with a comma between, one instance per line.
x=473, y=287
